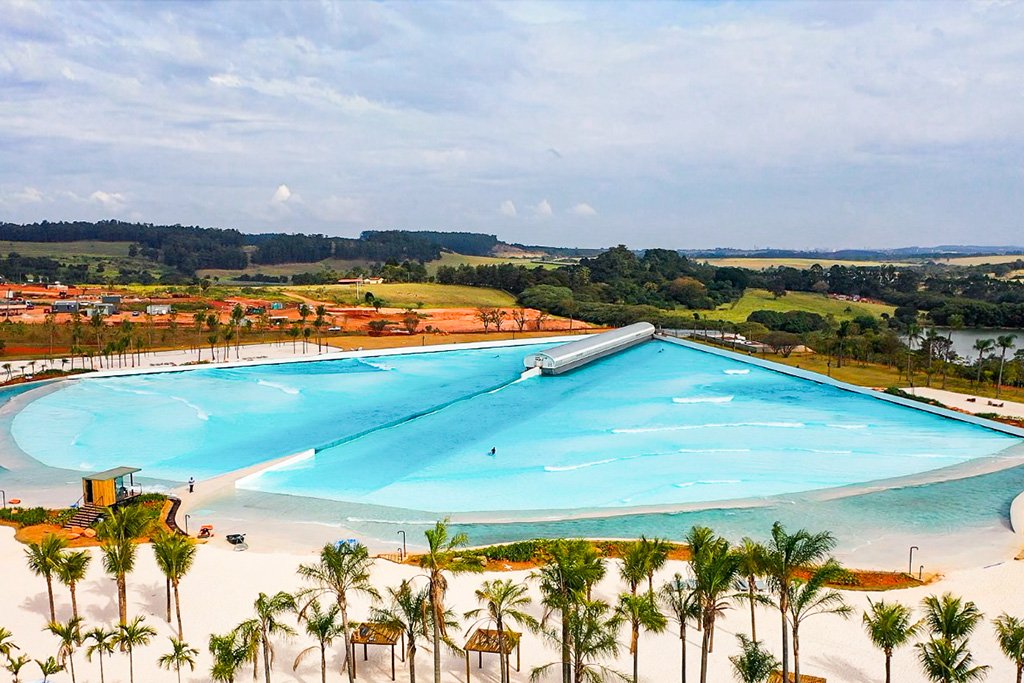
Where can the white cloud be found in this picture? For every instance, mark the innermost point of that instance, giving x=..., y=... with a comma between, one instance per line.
x=29, y=195
x=583, y=209
x=343, y=209
x=543, y=209
x=281, y=195
x=109, y=200
x=508, y=208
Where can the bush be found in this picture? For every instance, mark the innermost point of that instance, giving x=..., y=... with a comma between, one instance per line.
x=520, y=551
x=32, y=516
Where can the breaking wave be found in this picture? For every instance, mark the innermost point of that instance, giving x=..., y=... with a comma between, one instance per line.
x=736, y=372
x=274, y=385
x=707, y=482
x=583, y=465
x=702, y=399
x=713, y=425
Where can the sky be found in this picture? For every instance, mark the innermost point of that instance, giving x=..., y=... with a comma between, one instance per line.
x=682, y=125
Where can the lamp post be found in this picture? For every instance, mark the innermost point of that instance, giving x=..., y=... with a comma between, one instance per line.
x=4, y=494
x=910, y=564
x=187, y=517
x=920, y=573
x=404, y=553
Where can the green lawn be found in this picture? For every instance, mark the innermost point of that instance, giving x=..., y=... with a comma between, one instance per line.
x=450, y=259
x=410, y=294
x=64, y=249
x=762, y=300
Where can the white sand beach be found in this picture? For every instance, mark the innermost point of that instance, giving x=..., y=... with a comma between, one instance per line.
x=970, y=403
x=219, y=592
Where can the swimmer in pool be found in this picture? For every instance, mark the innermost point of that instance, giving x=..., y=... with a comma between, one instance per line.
x=494, y=451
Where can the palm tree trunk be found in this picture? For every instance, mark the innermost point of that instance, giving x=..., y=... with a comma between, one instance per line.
x=167, y=590
x=1020, y=672
x=177, y=670
x=705, y=642
x=131, y=666
x=101, y=668
x=796, y=653
x=750, y=596
x=177, y=609
x=785, y=636
x=1002, y=361
x=566, y=666
x=636, y=656
x=122, y=599
x=502, y=655
x=266, y=656
x=71, y=667
x=437, y=641
x=49, y=593
x=345, y=636
x=682, y=650
x=74, y=599
x=888, y=669
x=323, y=664
x=412, y=662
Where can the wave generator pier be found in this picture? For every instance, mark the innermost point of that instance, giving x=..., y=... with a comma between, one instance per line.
x=578, y=353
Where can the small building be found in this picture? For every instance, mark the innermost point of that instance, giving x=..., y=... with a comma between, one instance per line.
x=103, y=309
x=65, y=306
x=158, y=309
x=108, y=488
x=111, y=299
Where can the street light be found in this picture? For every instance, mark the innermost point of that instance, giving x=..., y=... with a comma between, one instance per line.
x=4, y=494
x=920, y=573
x=910, y=564
x=187, y=517
x=404, y=553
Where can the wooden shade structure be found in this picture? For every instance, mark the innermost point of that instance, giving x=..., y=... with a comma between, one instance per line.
x=776, y=677
x=371, y=633
x=107, y=488
x=492, y=642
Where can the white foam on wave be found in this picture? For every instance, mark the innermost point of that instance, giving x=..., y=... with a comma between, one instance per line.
x=375, y=364
x=820, y=450
x=847, y=426
x=200, y=413
x=370, y=520
x=702, y=399
x=736, y=372
x=281, y=387
x=707, y=482
x=713, y=450
x=713, y=425
x=582, y=465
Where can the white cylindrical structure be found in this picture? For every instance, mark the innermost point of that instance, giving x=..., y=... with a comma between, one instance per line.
x=574, y=354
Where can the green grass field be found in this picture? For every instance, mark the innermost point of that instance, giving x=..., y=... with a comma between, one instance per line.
x=981, y=260
x=61, y=249
x=410, y=294
x=801, y=263
x=762, y=300
x=455, y=260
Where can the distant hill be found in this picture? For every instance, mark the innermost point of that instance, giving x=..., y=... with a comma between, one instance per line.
x=918, y=253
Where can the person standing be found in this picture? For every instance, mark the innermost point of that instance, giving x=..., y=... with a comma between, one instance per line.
x=191, y=484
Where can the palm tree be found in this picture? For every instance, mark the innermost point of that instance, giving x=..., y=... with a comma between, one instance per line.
x=813, y=597
x=44, y=559
x=1010, y=633
x=565, y=581
x=679, y=598
x=715, y=567
x=175, y=555
x=323, y=626
x=593, y=637
x=503, y=602
x=71, y=570
x=913, y=335
x=754, y=664
x=48, y=667
x=103, y=643
x=751, y=557
x=118, y=532
x=16, y=664
x=640, y=612
x=634, y=565
x=7, y=646
x=656, y=551
x=228, y=657
x=1005, y=343
x=946, y=661
x=181, y=654
x=889, y=626
x=443, y=556
x=343, y=570
x=130, y=636
x=949, y=617
x=783, y=555
x=408, y=612
x=267, y=623
x=70, y=635
x=982, y=346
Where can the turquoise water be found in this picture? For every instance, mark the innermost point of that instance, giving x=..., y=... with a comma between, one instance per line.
x=659, y=424
x=206, y=422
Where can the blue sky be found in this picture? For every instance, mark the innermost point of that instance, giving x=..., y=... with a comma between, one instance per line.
x=653, y=124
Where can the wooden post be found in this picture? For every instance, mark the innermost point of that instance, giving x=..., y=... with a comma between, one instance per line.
x=392, y=662
x=354, y=661
x=467, y=666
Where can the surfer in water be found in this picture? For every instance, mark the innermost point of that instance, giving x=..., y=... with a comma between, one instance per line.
x=493, y=452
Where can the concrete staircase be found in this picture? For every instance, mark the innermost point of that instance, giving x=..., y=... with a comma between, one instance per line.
x=86, y=515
